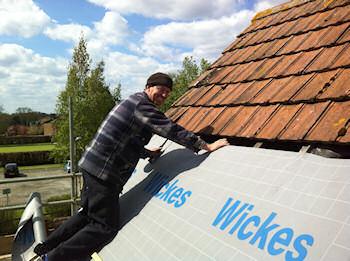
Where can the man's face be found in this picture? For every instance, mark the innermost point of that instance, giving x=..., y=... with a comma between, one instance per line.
x=157, y=94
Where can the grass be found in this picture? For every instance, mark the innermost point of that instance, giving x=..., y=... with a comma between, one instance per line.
x=47, y=166
x=26, y=147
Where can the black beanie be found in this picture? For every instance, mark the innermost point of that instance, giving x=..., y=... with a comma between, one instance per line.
x=160, y=79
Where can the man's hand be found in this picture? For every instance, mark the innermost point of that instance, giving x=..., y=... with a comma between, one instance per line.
x=155, y=153
x=216, y=145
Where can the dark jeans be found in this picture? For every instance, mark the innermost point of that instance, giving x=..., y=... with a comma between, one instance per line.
x=94, y=226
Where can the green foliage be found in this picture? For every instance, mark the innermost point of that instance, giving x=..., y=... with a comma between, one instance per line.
x=25, y=116
x=35, y=130
x=183, y=78
x=53, y=211
x=92, y=100
x=9, y=221
x=5, y=122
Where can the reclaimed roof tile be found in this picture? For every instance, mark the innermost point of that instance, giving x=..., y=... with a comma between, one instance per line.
x=196, y=114
x=333, y=119
x=337, y=15
x=326, y=58
x=286, y=77
x=343, y=60
x=332, y=34
x=303, y=121
x=237, y=121
x=303, y=62
x=256, y=121
x=234, y=91
x=291, y=88
x=187, y=116
x=314, y=86
x=285, y=62
x=264, y=68
x=205, y=125
x=251, y=92
x=275, y=47
x=339, y=87
x=293, y=43
x=210, y=93
x=345, y=37
x=224, y=119
x=278, y=121
x=270, y=90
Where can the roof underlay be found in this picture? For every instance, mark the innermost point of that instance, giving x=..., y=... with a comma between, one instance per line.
x=284, y=80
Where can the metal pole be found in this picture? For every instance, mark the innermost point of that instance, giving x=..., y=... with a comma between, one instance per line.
x=38, y=222
x=71, y=152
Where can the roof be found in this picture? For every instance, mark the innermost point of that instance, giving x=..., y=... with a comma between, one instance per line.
x=216, y=206
x=285, y=78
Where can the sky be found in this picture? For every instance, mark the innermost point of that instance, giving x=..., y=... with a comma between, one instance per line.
x=135, y=38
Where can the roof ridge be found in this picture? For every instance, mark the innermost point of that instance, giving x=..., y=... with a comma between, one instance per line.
x=280, y=8
x=326, y=9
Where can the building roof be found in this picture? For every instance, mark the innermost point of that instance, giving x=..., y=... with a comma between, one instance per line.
x=285, y=78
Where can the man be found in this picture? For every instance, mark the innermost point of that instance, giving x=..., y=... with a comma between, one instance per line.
x=107, y=164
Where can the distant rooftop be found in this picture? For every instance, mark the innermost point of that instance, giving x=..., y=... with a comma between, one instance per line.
x=285, y=80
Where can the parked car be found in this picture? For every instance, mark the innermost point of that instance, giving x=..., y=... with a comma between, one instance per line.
x=67, y=166
x=11, y=170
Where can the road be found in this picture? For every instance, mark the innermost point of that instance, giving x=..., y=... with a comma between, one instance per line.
x=47, y=188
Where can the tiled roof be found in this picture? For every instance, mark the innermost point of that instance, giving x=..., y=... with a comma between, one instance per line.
x=285, y=78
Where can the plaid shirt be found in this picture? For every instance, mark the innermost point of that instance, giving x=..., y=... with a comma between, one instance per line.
x=119, y=142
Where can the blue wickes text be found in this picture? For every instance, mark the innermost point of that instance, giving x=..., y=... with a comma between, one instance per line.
x=170, y=192
x=238, y=218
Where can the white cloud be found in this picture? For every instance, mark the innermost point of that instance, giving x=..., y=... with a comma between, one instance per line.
x=22, y=18
x=132, y=71
x=67, y=32
x=28, y=79
x=175, y=9
x=113, y=28
x=207, y=38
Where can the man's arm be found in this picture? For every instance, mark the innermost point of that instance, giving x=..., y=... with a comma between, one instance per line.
x=165, y=127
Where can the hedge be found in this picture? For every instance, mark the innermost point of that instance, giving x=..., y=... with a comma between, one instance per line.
x=26, y=158
x=8, y=140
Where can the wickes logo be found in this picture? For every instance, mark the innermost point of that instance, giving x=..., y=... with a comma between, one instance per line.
x=238, y=217
x=170, y=193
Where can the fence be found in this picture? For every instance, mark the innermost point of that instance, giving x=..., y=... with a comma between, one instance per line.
x=74, y=191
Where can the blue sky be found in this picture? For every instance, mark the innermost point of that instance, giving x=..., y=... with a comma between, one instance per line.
x=134, y=38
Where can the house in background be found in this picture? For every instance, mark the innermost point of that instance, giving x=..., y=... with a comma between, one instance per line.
x=283, y=83
x=48, y=127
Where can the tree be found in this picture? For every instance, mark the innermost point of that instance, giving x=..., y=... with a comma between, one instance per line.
x=25, y=116
x=5, y=121
x=183, y=78
x=92, y=100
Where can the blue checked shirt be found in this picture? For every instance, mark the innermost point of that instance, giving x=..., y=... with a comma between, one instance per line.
x=119, y=142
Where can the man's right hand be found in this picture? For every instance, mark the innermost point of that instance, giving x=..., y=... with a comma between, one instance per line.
x=155, y=153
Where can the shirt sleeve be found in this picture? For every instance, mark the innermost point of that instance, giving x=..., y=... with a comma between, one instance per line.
x=159, y=124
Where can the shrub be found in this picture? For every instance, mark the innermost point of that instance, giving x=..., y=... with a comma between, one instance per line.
x=9, y=221
x=55, y=211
